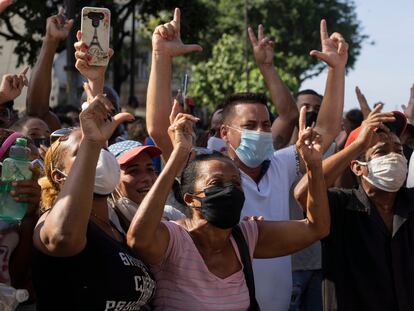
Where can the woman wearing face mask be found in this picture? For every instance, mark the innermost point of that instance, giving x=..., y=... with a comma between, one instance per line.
x=197, y=262
x=81, y=260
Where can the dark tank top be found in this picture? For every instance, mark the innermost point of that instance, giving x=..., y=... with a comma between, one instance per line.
x=105, y=275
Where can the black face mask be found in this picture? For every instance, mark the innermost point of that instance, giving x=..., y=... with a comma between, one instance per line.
x=222, y=205
x=311, y=117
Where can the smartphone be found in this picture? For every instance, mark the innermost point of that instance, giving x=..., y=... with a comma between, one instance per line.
x=95, y=28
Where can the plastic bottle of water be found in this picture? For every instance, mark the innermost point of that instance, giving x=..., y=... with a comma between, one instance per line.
x=15, y=167
x=11, y=297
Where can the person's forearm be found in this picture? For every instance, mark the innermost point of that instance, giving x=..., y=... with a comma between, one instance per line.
x=146, y=221
x=329, y=119
x=317, y=205
x=285, y=106
x=280, y=95
x=159, y=102
x=66, y=224
x=333, y=167
x=96, y=86
x=38, y=92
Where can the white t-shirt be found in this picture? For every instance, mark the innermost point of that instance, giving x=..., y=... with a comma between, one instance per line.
x=410, y=176
x=270, y=199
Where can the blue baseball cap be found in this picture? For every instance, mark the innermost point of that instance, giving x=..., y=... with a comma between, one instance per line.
x=128, y=150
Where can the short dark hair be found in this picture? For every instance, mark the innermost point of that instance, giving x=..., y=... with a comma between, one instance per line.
x=308, y=92
x=190, y=172
x=242, y=98
x=355, y=116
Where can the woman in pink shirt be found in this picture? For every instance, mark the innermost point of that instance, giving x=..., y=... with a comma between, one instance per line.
x=196, y=261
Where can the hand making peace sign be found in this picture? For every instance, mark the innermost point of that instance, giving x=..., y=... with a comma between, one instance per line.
x=309, y=142
x=262, y=47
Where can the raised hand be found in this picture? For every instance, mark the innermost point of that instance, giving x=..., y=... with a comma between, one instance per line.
x=58, y=26
x=12, y=85
x=334, y=48
x=361, y=97
x=263, y=48
x=367, y=136
x=90, y=72
x=181, y=128
x=166, y=39
x=27, y=191
x=409, y=109
x=309, y=142
x=97, y=123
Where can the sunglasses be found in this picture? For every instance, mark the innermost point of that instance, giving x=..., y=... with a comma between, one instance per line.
x=64, y=132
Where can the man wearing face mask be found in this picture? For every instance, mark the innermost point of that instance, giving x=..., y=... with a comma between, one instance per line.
x=368, y=260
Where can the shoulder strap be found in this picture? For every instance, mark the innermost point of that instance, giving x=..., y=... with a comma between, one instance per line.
x=247, y=266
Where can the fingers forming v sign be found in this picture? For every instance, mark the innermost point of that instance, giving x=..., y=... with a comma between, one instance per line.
x=263, y=47
x=309, y=142
x=166, y=39
x=334, y=48
x=181, y=128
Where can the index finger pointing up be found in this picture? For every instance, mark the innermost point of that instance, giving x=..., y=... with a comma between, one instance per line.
x=324, y=30
x=302, y=119
x=25, y=70
x=177, y=18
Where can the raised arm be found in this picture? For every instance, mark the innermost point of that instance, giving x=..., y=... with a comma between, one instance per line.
x=279, y=238
x=283, y=126
x=38, y=93
x=335, y=55
x=12, y=85
x=62, y=230
x=334, y=166
x=95, y=75
x=166, y=44
x=409, y=109
x=147, y=236
x=363, y=103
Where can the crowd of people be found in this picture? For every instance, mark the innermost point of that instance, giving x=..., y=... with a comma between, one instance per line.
x=309, y=209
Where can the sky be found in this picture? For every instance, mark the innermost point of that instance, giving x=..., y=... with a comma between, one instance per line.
x=383, y=71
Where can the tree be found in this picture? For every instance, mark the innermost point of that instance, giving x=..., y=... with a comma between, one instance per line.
x=35, y=12
x=292, y=24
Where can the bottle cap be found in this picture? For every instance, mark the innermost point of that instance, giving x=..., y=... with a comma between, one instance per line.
x=21, y=142
x=22, y=295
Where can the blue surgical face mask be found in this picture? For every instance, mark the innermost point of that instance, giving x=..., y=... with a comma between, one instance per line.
x=255, y=147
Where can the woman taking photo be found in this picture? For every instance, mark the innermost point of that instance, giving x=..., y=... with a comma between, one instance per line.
x=196, y=261
x=81, y=260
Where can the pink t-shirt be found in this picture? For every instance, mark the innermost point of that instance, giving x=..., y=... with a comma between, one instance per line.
x=185, y=283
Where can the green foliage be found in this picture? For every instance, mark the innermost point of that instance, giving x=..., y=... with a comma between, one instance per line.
x=292, y=24
x=216, y=25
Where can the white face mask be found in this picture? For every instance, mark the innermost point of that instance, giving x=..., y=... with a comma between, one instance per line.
x=387, y=172
x=217, y=144
x=127, y=207
x=107, y=173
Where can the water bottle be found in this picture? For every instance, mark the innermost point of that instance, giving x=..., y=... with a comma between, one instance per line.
x=15, y=167
x=11, y=297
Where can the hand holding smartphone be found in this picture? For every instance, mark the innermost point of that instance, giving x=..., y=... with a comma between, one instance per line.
x=95, y=28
